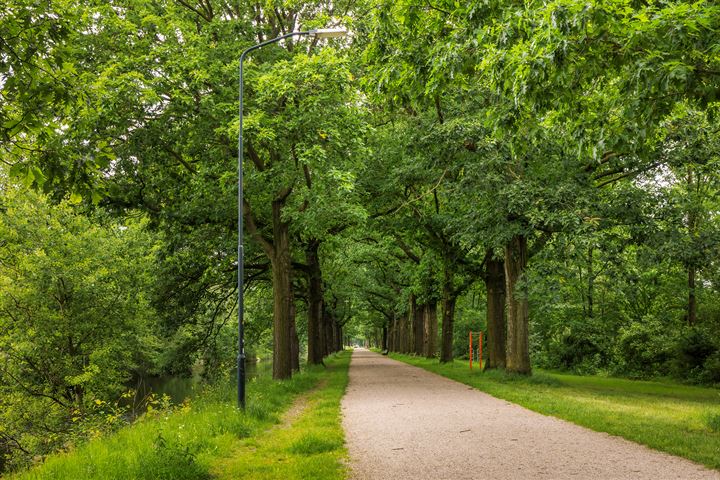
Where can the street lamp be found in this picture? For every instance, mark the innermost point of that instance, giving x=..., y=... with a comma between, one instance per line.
x=319, y=34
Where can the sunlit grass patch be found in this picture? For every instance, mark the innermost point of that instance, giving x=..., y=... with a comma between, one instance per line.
x=712, y=420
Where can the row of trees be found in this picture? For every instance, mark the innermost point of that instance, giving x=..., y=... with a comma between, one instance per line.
x=527, y=126
x=122, y=116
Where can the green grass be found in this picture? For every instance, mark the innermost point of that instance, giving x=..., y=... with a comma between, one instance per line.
x=310, y=446
x=677, y=419
x=210, y=438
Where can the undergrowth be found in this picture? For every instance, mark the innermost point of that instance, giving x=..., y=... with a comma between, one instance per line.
x=190, y=441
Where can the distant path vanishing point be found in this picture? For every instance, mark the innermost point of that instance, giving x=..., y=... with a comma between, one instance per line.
x=402, y=422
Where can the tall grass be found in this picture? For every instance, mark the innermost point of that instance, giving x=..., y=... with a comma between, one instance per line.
x=189, y=442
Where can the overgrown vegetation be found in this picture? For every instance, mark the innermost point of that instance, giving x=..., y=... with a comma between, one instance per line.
x=210, y=438
x=666, y=415
x=76, y=324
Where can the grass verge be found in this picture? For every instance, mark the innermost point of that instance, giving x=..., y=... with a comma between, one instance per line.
x=308, y=444
x=677, y=419
x=210, y=437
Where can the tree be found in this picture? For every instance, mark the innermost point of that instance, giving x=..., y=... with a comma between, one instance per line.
x=37, y=81
x=691, y=152
x=75, y=318
x=157, y=131
x=308, y=98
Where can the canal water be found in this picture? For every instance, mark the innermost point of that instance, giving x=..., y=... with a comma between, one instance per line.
x=180, y=388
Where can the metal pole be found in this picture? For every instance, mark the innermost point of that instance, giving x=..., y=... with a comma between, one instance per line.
x=480, y=360
x=241, y=247
x=241, y=257
x=471, y=351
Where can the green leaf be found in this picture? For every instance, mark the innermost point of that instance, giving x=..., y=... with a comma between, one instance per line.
x=75, y=198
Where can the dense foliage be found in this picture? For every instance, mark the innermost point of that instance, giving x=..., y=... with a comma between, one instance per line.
x=546, y=172
x=76, y=321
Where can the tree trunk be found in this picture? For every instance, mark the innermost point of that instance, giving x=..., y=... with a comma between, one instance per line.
x=418, y=326
x=408, y=334
x=294, y=340
x=327, y=328
x=692, y=231
x=401, y=334
x=315, y=304
x=282, y=295
x=692, y=300
x=518, y=340
x=338, y=337
x=430, y=327
x=384, y=338
x=393, y=334
x=495, y=287
x=397, y=334
x=590, y=284
x=448, y=318
x=322, y=335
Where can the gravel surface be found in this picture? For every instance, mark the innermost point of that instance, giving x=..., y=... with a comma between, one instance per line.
x=402, y=422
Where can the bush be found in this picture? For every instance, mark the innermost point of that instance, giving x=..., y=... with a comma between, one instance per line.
x=711, y=369
x=576, y=350
x=643, y=349
x=693, y=350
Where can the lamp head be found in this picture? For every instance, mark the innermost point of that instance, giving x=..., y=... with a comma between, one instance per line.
x=321, y=33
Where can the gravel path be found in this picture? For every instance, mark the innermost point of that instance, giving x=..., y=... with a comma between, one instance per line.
x=402, y=422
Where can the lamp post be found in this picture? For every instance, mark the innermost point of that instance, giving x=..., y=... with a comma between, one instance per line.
x=319, y=34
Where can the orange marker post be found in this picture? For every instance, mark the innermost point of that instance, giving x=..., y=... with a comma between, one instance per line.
x=471, y=351
x=480, y=351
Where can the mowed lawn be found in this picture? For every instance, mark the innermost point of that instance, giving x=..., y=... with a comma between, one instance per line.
x=678, y=419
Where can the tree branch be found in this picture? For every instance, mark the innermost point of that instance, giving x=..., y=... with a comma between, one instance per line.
x=405, y=248
x=190, y=7
x=255, y=232
x=257, y=161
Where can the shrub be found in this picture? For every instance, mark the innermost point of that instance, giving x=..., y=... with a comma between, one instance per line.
x=693, y=348
x=711, y=369
x=643, y=349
